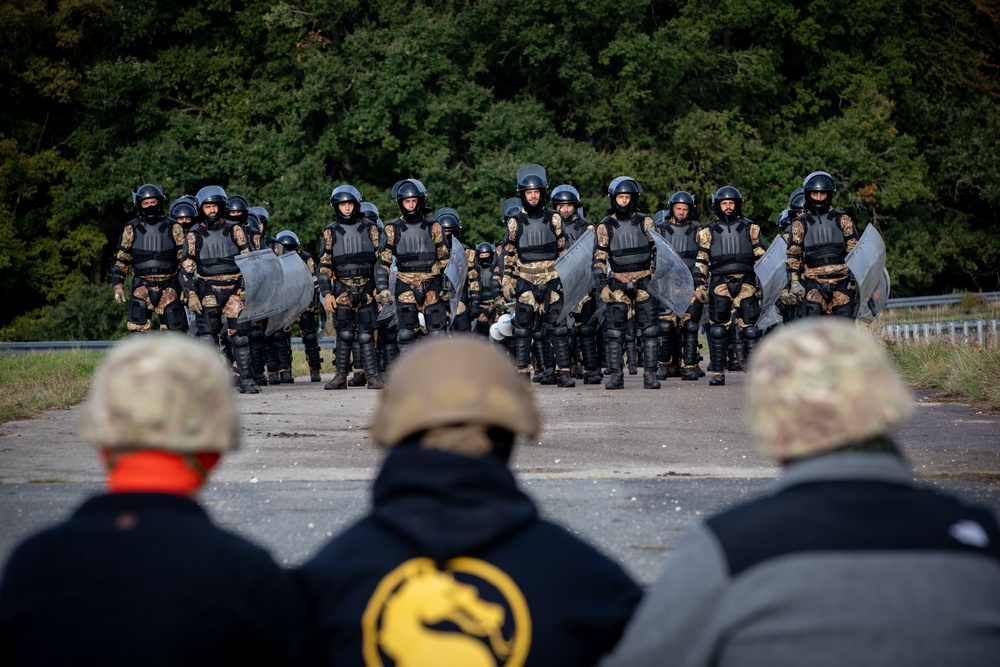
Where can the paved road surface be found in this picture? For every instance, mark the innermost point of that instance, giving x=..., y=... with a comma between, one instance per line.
x=628, y=470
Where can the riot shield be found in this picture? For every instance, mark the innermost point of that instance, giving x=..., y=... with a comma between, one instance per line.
x=772, y=275
x=296, y=291
x=770, y=317
x=871, y=308
x=509, y=207
x=867, y=262
x=671, y=284
x=389, y=312
x=456, y=272
x=574, y=269
x=262, y=283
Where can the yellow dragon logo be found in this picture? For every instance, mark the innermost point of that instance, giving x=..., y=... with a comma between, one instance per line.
x=412, y=617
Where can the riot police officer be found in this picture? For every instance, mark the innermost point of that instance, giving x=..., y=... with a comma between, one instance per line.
x=534, y=239
x=583, y=334
x=451, y=225
x=289, y=242
x=417, y=243
x=484, y=310
x=819, y=240
x=679, y=332
x=212, y=281
x=724, y=278
x=624, y=239
x=354, y=277
x=151, y=247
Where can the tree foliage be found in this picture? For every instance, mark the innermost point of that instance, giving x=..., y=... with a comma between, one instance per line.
x=282, y=101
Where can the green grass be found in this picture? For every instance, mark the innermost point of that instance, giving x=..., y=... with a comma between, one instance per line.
x=34, y=382
x=958, y=372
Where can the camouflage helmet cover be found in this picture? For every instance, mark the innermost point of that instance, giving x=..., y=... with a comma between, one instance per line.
x=165, y=392
x=819, y=384
x=452, y=381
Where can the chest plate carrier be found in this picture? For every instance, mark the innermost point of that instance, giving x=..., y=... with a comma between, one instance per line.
x=488, y=289
x=629, y=249
x=153, y=250
x=537, y=242
x=824, y=241
x=574, y=228
x=415, y=252
x=732, y=251
x=682, y=239
x=353, y=252
x=218, y=251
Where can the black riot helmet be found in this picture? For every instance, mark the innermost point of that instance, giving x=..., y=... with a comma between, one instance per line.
x=532, y=177
x=722, y=194
x=796, y=203
x=237, y=209
x=485, y=248
x=262, y=217
x=624, y=185
x=509, y=208
x=346, y=194
x=819, y=181
x=566, y=194
x=370, y=211
x=211, y=194
x=407, y=189
x=784, y=220
x=288, y=240
x=682, y=197
x=184, y=207
x=449, y=221
x=153, y=213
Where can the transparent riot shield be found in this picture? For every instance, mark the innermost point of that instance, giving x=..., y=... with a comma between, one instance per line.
x=574, y=269
x=875, y=304
x=671, y=284
x=389, y=312
x=509, y=207
x=867, y=262
x=772, y=275
x=531, y=170
x=262, y=283
x=769, y=318
x=296, y=291
x=456, y=272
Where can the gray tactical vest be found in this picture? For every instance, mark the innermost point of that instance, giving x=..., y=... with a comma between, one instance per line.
x=353, y=253
x=629, y=249
x=415, y=252
x=731, y=251
x=682, y=238
x=153, y=250
x=537, y=242
x=488, y=289
x=824, y=241
x=574, y=229
x=218, y=250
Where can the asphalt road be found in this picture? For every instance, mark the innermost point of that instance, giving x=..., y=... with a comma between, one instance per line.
x=627, y=470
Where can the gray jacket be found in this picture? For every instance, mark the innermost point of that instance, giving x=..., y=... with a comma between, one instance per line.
x=846, y=562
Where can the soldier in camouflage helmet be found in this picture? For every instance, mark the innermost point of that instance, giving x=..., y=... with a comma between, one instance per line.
x=847, y=560
x=140, y=575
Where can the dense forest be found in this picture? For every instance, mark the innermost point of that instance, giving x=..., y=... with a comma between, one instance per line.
x=282, y=101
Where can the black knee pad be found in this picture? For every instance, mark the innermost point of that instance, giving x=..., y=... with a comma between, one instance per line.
x=718, y=332
x=364, y=337
x=691, y=327
x=213, y=319
x=174, y=316
x=256, y=335
x=614, y=334
x=538, y=335
x=559, y=331
x=346, y=336
x=406, y=336
x=310, y=338
x=666, y=327
x=651, y=331
x=586, y=331
x=522, y=332
x=750, y=309
x=751, y=333
x=240, y=340
x=617, y=316
x=138, y=313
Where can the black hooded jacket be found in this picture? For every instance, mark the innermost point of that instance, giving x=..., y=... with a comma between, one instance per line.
x=440, y=517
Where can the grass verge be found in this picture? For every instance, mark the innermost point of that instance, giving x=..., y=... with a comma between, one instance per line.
x=957, y=372
x=37, y=381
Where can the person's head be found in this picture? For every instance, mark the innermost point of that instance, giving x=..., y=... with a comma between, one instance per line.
x=728, y=203
x=346, y=203
x=370, y=211
x=161, y=411
x=411, y=196
x=532, y=188
x=566, y=200
x=148, y=200
x=262, y=216
x=624, y=194
x=796, y=204
x=237, y=209
x=509, y=208
x=485, y=252
x=818, y=188
x=681, y=206
x=454, y=394
x=183, y=211
x=211, y=201
x=819, y=385
x=451, y=223
x=288, y=240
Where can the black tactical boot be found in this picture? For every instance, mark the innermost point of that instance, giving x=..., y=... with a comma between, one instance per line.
x=616, y=381
x=358, y=379
x=314, y=375
x=341, y=360
x=690, y=373
x=592, y=377
x=369, y=358
x=649, y=380
x=565, y=379
x=286, y=377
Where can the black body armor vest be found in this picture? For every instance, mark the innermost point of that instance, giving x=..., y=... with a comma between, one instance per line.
x=353, y=253
x=153, y=249
x=824, y=241
x=218, y=250
x=537, y=242
x=574, y=229
x=415, y=251
x=732, y=251
x=682, y=239
x=629, y=249
x=488, y=288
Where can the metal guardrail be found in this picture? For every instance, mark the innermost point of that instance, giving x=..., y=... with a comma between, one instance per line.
x=965, y=332
x=940, y=300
